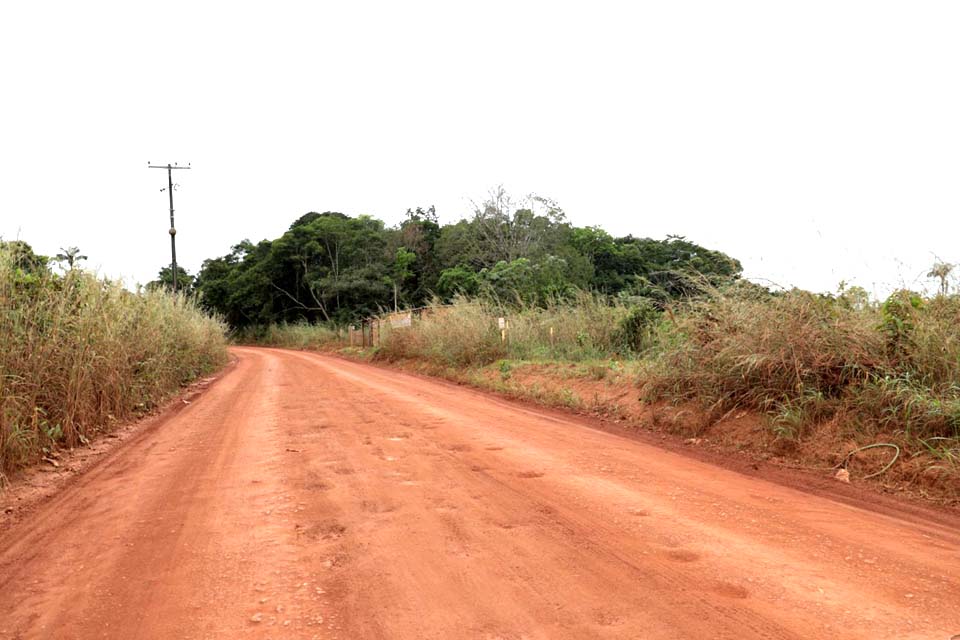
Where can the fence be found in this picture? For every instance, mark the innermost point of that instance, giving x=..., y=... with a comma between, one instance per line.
x=367, y=333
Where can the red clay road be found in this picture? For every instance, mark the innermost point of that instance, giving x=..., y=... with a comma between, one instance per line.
x=303, y=496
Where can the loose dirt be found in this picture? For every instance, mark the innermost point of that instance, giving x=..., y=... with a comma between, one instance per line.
x=303, y=496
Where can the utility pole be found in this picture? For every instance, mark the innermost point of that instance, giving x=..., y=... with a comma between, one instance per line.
x=173, y=229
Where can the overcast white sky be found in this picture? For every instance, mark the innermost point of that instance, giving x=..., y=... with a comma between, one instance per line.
x=815, y=141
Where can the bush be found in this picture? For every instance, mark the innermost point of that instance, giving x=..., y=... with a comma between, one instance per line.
x=636, y=331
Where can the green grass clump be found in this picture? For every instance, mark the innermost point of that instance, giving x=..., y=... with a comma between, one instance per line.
x=78, y=354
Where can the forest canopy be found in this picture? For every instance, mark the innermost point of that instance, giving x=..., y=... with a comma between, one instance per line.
x=330, y=267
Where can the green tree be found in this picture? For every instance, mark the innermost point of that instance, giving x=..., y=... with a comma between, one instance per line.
x=507, y=230
x=165, y=279
x=330, y=267
x=524, y=281
x=23, y=257
x=326, y=267
x=459, y=280
x=642, y=266
x=70, y=255
x=419, y=233
x=401, y=272
x=236, y=287
x=459, y=244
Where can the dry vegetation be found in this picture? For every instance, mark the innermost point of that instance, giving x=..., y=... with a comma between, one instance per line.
x=467, y=333
x=804, y=359
x=822, y=375
x=79, y=354
x=290, y=336
x=831, y=374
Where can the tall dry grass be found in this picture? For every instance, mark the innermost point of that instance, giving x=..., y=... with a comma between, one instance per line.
x=799, y=357
x=467, y=333
x=295, y=335
x=461, y=335
x=806, y=358
x=78, y=354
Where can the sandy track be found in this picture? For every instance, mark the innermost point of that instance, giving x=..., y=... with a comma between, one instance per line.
x=307, y=497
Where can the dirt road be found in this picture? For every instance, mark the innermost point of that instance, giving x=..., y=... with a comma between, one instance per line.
x=307, y=497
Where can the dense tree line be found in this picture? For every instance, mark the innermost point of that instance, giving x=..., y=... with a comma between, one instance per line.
x=329, y=267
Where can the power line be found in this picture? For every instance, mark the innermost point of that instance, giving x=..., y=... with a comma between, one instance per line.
x=173, y=229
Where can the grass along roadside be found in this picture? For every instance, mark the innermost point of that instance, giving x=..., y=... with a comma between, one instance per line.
x=290, y=336
x=803, y=379
x=80, y=355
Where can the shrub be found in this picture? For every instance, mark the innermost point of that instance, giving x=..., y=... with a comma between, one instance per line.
x=636, y=331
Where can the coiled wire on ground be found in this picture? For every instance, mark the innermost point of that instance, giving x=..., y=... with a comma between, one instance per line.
x=890, y=445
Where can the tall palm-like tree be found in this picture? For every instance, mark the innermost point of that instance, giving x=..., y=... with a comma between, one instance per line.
x=942, y=270
x=70, y=255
